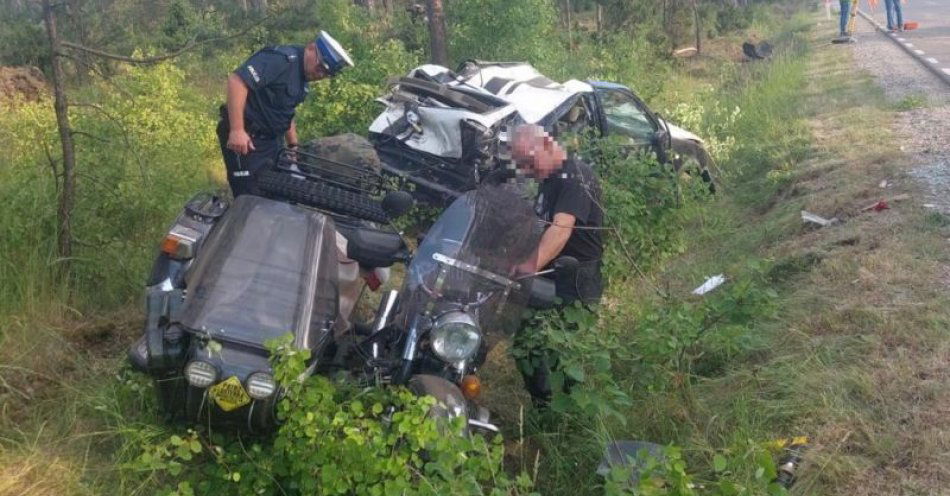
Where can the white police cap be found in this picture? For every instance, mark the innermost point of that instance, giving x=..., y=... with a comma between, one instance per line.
x=332, y=55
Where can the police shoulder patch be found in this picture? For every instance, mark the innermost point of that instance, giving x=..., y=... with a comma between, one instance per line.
x=254, y=74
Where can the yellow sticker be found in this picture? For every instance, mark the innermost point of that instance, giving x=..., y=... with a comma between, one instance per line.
x=229, y=394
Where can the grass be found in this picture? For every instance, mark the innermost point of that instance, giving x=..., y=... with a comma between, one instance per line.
x=855, y=356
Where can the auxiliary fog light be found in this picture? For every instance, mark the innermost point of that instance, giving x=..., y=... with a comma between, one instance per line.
x=200, y=374
x=260, y=385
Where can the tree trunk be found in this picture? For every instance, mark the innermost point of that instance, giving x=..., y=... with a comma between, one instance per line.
x=67, y=192
x=438, y=52
x=600, y=19
x=570, y=28
x=699, y=29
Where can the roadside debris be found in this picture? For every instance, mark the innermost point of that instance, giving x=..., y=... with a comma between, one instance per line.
x=883, y=184
x=757, y=52
x=710, y=284
x=884, y=204
x=685, y=52
x=817, y=219
x=788, y=464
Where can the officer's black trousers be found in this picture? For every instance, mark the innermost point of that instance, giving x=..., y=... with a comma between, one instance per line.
x=243, y=169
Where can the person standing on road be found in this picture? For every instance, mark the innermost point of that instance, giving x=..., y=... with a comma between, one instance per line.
x=569, y=202
x=895, y=18
x=262, y=97
x=845, y=20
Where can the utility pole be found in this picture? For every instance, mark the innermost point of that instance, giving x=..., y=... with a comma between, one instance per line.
x=439, y=53
x=60, y=104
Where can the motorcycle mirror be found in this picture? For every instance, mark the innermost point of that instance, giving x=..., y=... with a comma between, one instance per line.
x=397, y=203
x=566, y=265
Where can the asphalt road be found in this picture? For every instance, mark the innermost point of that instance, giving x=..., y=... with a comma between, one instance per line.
x=932, y=39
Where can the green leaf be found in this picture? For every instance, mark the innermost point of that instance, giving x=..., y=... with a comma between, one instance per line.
x=574, y=371
x=719, y=463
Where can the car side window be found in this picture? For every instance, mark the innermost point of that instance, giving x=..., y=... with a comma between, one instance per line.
x=625, y=117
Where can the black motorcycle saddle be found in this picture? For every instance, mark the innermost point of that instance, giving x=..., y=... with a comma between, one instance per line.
x=372, y=247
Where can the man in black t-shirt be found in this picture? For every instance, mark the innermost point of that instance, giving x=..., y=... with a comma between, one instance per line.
x=569, y=202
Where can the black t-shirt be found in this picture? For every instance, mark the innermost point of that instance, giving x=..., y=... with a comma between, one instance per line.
x=276, y=85
x=575, y=190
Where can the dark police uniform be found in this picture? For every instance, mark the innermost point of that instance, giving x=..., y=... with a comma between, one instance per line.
x=276, y=85
x=574, y=190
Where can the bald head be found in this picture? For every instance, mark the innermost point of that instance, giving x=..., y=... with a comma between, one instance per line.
x=532, y=148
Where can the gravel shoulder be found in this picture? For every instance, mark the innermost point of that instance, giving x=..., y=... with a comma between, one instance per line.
x=923, y=121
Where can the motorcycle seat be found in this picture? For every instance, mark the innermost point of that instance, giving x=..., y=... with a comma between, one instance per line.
x=372, y=248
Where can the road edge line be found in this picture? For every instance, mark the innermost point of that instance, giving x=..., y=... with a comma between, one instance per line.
x=910, y=51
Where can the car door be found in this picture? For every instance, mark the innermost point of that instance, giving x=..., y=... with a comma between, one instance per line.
x=623, y=114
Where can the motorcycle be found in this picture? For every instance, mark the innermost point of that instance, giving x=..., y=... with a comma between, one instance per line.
x=231, y=277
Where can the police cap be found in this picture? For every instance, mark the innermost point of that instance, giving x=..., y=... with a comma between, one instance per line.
x=332, y=55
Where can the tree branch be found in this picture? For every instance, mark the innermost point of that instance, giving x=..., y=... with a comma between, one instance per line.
x=131, y=60
x=192, y=43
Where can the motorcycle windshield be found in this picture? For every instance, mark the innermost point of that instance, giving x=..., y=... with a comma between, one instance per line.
x=268, y=269
x=473, y=259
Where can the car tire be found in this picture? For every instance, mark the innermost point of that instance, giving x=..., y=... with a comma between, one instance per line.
x=285, y=186
x=691, y=158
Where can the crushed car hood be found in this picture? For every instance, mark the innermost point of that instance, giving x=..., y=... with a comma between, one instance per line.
x=422, y=110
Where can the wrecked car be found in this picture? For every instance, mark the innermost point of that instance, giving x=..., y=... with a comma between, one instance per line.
x=446, y=129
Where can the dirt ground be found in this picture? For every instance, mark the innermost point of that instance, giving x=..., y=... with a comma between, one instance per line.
x=26, y=83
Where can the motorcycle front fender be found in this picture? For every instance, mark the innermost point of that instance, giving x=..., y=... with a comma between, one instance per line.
x=450, y=403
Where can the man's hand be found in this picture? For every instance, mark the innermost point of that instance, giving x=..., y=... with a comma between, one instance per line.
x=239, y=141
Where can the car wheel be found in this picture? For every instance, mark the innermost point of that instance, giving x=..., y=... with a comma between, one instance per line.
x=691, y=160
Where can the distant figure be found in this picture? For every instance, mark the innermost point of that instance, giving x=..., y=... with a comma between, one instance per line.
x=846, y=22
x=893, y=8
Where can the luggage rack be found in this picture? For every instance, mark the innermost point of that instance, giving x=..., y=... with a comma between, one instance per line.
x=359, y=180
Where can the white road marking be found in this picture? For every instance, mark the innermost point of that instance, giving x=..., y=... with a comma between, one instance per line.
x=919, y=52
x=909, y=45
x=946, y=71
x=933, y=60
x=900, y=39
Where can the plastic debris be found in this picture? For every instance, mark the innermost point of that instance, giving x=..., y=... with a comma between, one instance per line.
x=885, y=204
x=762, y=50
x=710, y=284
x=883, y=184
x=817, y=219
x=788, y=465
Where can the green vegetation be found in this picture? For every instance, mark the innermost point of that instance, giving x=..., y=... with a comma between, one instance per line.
x=783, y=349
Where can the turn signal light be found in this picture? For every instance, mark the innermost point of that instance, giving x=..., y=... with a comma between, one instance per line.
x=180, y=243
x=471, y=387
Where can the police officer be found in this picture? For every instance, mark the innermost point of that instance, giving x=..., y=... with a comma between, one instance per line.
x=262, y=97
x=569, y=203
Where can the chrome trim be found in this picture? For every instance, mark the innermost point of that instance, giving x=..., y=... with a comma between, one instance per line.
x=458, y=264
x=488, y=426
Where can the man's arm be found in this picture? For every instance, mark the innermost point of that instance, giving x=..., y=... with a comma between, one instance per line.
x=238, y=139
x=290, y=137
x=554, y=238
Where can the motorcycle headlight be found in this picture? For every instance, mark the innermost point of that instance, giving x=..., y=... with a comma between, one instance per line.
x=260, y=385
x=200, y=374
x=455, y=337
